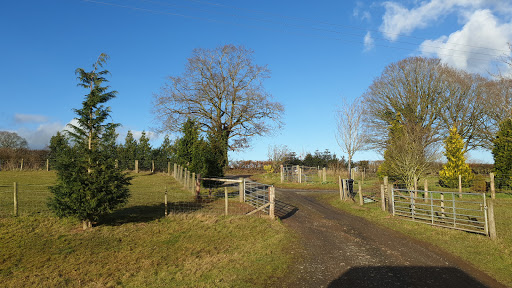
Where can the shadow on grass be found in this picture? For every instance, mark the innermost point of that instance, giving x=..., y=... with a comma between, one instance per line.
x=148, y=213
x=405, y=276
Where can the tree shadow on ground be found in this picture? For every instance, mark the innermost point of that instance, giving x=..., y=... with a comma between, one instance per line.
x=148, y=213
x=405, y=277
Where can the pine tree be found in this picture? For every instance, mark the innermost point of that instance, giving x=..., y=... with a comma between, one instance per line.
x=502, y=152
x=144, y=152
x=456, y=165
x=129, y=153
x=88, y=184
x=60, y=150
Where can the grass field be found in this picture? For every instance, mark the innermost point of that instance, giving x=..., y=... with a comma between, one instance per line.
x=492, y=257
x=137, y=246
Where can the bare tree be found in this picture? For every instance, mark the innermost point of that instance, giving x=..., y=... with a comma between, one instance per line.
x=464, y=96
x=277, y=155
x=221, y=89
x=12, y=140
x=351, y=134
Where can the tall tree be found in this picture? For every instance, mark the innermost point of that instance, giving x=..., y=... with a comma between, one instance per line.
x=221, y=89
x=144, y=151
x=12, y=140
x=502, y=153
x=129, y=151
x=456, y=164
x=350, y=134
x=88, y=183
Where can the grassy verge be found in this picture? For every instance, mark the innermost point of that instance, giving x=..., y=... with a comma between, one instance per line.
x=492, y=257
x=138, y=247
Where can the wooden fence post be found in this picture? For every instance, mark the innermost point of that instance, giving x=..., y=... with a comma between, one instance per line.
x=460, y=186
x=192, y=181
x=198, y=185
x=341, y=187
x=382, y=198
x=360, y=194
x=48, y=165
x=175, y=171
x=272, y=200
x=152, y=166
x=390, y=198
x=185, y=179
x=492, y=221
x=168, y=168
x=165, y=201
x=324, y=175
x=21, y=168
x=282, y=173
x=136, y=166
x=241, y=188
x=299, y=170
x=226, y=200
x=386, y=190
x=415, y=187
x=442, y=204
x=15, y=199
x=345, y=189
x=425, y=187
x=493, y=188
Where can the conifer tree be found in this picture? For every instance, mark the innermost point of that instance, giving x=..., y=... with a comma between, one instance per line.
x=88, y=184
x=502, y=152
x=129, y=153
x=456, y=165
x=144, y=152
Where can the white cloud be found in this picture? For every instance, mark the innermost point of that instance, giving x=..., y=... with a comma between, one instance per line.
x=29, y=118
x=40, y=137
x=474, y=47
x=360, y=13
x=369, y=43
x=399, y=20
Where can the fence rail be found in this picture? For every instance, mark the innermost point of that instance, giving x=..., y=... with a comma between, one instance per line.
x=443, y=209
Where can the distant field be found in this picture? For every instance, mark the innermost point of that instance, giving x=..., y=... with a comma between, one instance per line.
x=136, y=246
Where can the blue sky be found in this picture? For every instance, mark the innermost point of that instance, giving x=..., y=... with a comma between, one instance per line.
x=318, y=51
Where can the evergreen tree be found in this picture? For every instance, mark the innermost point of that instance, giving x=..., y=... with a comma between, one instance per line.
x=59, y=150
x=129, y=151
x=502, y=152
x=185, y=145
x=456, y=165
x=144, y=152
x=88, y=184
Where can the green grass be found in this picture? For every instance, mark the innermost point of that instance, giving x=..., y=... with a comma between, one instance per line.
x=492, y=257
x=137, y=246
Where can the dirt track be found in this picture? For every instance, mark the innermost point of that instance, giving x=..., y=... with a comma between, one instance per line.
x=342, y=250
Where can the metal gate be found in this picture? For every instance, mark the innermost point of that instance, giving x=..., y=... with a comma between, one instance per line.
x=462, y=211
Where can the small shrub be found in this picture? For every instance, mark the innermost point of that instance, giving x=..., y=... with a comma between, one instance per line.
x=268, y=169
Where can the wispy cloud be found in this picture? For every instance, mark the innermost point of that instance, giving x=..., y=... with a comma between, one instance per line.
x=360, y=12
x=399, y=20
x=29, y=118
x=369, y=43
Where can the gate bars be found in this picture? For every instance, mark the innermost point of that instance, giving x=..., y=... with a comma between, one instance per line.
x=444, y=209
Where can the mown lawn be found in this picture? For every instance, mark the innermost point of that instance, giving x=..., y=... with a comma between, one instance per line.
x=137, y=246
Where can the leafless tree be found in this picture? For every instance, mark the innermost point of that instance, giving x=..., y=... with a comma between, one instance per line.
x=277, y=155
x=221, y=89
x=351, y=134
x=12, y=140
x=465, y=97
x=411, y=87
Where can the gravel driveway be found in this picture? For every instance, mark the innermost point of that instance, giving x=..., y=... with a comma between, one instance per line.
x=341, y=250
